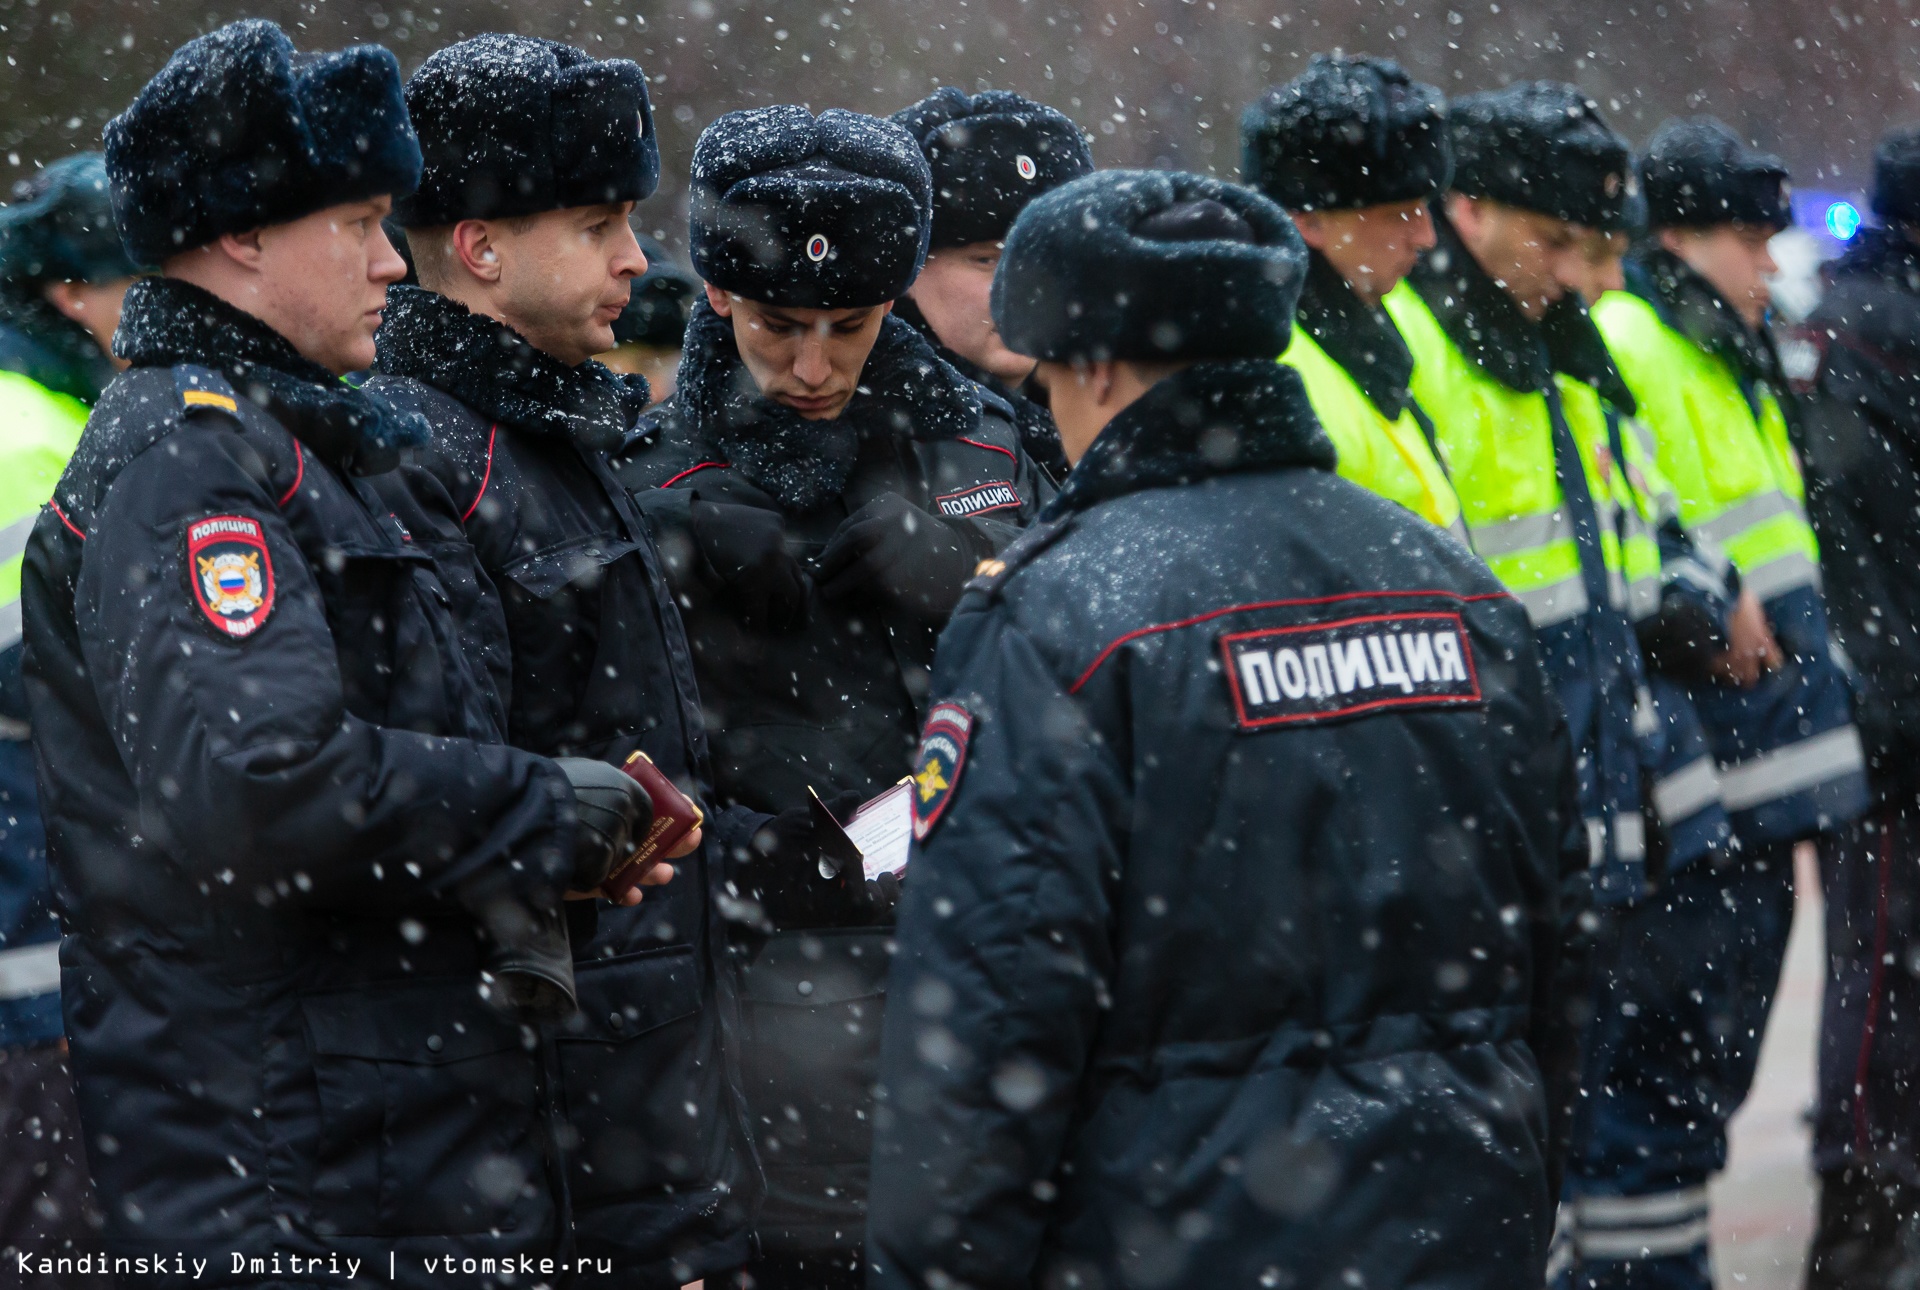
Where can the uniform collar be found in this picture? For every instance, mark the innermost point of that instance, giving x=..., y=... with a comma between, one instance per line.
x=499, y=374
x=1691, y=305
x=166, y=322
x=905, y=390
x=1214, y=418
x=1357, y=336
x=1485, y=324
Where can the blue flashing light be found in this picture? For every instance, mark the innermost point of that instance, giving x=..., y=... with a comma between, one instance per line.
x=1843, y=220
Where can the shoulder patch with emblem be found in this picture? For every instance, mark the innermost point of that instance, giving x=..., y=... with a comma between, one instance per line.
x=1280, y=676
x=937, y=766
x=231, y=572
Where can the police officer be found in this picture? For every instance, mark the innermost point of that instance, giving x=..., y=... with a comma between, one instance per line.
x=1861, y=433
x=535, y=154
x=1176, y=997
x=823, y=484
x=308, y=896
x=1691, y=341
x=991, y=153
x=62, y=276
x=1354, y=149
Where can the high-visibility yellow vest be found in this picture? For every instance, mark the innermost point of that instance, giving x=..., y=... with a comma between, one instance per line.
x=38, y=432
x=1390, y=458
x=1497, y=444
x=1735, y=478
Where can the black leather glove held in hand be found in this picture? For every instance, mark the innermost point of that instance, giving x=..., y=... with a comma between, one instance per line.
x=745, y=548
x=900, y=555
x=783, y=872
x=528, y=970
x=613, y=815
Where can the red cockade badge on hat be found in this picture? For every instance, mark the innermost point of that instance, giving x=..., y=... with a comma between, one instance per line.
x=231, y=572
x=936, y=768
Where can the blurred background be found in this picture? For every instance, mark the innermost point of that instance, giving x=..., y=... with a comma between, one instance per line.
x=1159, y=83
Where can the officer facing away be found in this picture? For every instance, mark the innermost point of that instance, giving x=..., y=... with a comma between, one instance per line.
x=1354, y=149
x=1690, y=339
x=990, y=153
x=1175, y=996
x=1861, y=430
x=824, y=484
x=535, y=154
x=308, y=895
x=62, y=276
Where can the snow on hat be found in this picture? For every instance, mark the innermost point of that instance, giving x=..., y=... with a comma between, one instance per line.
x=1149, y=265
x=59, y=226
x=1698, y=173
x=515, y=125
x=1347, y=133
x=991, y=153
x=661, y=303
x=827, y=212
x=239, y=131
x=1542, y=146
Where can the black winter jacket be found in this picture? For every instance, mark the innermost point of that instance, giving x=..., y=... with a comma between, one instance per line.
x=599, y=667
x=266, y=763
x=1226, y=956
x=1860, y=433
x=833, y=705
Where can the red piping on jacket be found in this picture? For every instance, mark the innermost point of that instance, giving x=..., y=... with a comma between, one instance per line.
x=493, y=432
x=1211, y=614
x=299, y=473
x=690, y=470
x=64, y=520
x=990, y=447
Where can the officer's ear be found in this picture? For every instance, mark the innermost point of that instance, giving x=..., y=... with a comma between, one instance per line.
x=473, y=246
x=242, y=248
x=719, y=301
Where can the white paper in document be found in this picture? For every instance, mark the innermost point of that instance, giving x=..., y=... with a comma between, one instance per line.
x=883, y=830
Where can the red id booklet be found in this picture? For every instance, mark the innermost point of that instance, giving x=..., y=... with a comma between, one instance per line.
x=674, y=816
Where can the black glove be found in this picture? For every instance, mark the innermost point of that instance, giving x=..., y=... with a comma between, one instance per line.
x=903, y=557
x=527, y=972
x=786, y=871
x=745, y=548
x=614, y=814
x=883, y=896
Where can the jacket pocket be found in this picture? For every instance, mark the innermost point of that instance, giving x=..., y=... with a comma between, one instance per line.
x=641, y=1083
x=577, y=560
x=428, y=1114
x=813, y=1002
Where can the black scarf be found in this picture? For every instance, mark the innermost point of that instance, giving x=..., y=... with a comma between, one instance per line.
x=50, y=348
x=1031, y=415
x=493, y=370
x=1212, y=418
x=905, y=390
x=1358, y=336
x=167, y=321
x=1481, y=319
x=1690, y=305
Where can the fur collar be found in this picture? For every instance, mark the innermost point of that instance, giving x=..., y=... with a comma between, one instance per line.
x=1481, y=319
x=167, y=322
x=493, y=370
x=52, y=350
x=1213, y=418
x=1690, y=305
x=1359, y=337
x=1031, y=416
x=905, y=389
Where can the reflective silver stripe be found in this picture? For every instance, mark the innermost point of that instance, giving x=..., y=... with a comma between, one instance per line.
x=1511, y=537
x=1596, y=841
x=13, y=538
x=1459, y=530
x=1786, y=771
x=1776, y=577
x=1643, y=1242
x=1838, y=653
x=1735, y=520
x=1630, y=836
x=1643, y=597
x=9, y=623
x=1556, y=602
x=30, y=971
x=1697, y=575
x=1688, y=791
x=1650, y=1210
x=1646, y=717
x=17, y=731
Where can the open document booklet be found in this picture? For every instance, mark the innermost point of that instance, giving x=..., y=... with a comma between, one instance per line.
x=879, y=834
